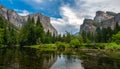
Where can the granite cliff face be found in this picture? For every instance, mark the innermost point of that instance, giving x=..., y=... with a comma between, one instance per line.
x=19, y=21
x=101, y=20
x=102, y=16
x=89, y=25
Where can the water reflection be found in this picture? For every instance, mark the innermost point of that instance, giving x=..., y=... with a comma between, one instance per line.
x=27, y=58
x=67, y=62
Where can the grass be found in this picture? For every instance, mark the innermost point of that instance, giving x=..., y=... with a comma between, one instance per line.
x=44, y=47
x=61, y=45
x=112, y=46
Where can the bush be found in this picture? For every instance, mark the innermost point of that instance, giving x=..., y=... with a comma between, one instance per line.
x=112, y=46
x=100, y=46
x=74, y=43
x=61, y=45
x=116, y=38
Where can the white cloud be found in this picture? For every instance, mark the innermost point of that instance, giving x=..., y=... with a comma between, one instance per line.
x=22, y=12
x=34, y=2
x=72, y=17
x=69, y=22
x=38, y=1
x=88, y=8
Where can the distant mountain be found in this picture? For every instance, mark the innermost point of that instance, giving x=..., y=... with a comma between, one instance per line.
x=101, y=20
x=19, y=21
x=77, y=33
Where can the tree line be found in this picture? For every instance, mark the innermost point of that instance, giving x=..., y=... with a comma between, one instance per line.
x=33, y=33
x=30, y=34
x=104, y=35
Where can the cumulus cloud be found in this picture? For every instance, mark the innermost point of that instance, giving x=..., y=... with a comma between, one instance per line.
x=73, y=16
x=88, y=8
x=34, y=1
x=38, y=1
x=22, y=12
x=69, y=22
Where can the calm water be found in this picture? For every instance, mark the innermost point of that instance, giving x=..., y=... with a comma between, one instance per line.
x=27, y=58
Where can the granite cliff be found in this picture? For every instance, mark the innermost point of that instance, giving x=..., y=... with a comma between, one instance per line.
x=101, y=20
x=19, y=21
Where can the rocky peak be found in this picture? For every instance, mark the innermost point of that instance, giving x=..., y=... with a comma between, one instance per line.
x=88, y=21
x=19, y=21
x=110, y=13
x=89, y=26
x=98, y=13
x=101, y=20
x=102, y=16
x=1, y=6
x=117, y=17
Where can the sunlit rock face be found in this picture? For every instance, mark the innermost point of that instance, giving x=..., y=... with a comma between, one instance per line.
x=88, y=26
x=102, y=16
x=101, y=20
x=19, y=21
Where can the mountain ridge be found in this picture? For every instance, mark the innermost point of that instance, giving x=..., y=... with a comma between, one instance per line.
x=101, y=20
x=20, y=21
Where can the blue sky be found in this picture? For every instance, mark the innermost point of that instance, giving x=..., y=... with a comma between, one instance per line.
x=66, y=15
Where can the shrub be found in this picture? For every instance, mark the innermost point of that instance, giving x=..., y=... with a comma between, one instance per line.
x=74, y=43
x=112, y=46
x=100, y=46
x=61, y=45
x=116, y=38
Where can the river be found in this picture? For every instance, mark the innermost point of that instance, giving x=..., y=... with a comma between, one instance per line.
x=28, y=58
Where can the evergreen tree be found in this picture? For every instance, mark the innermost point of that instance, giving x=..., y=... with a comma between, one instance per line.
x=68, y=37
x=27, y=33
x=54, y=39
x=1, y=36
x=48, y=37
x=40, y=34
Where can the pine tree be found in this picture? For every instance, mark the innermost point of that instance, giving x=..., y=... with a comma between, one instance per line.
x=40, y=34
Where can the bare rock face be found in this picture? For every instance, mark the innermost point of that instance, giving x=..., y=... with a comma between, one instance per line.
x=45, y=22
x=101, y=20
x=11, y=16
x=102, y=16
x=108, y=23
x=117, y=18
x=19, y=21
x=88, y=26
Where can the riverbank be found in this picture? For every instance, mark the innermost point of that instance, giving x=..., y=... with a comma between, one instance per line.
x=65, y=46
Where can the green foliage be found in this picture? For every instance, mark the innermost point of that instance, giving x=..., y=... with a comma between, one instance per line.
x=38, y=41
x=68, y=37
x=32, y=33
x=80, y=38
x=26, y=35
x=61, y=45
x=48, y=37
x=7, y=33
x=116, y=38
x=1, y=35
x=88, y=41
x=75, y=43
x=113, y=46
x=39, y=31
